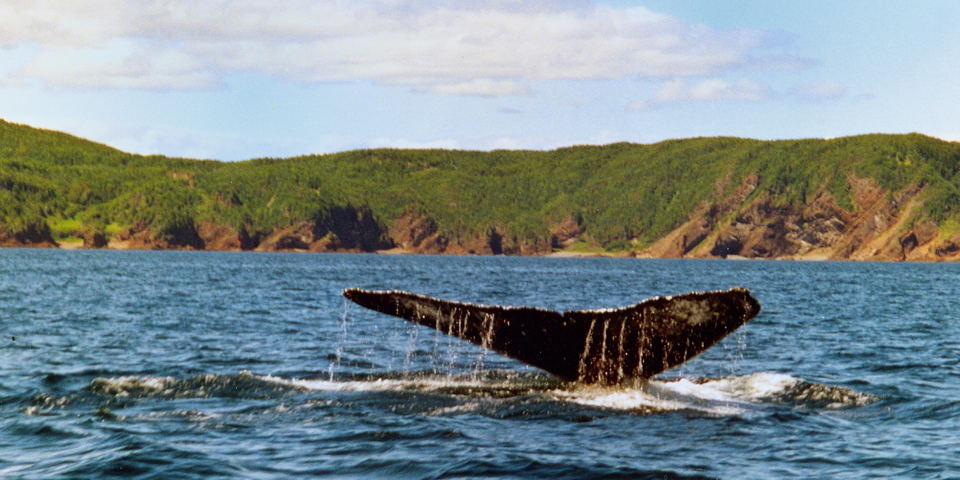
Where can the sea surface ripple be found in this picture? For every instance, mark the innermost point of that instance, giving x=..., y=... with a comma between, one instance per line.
x=245, y=365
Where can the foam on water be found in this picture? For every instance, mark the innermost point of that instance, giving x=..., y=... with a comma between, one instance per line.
x=123, y=386
x=241, y=385
x=106, y=375
x=384, y=384
x=755, y=386
x=719, y=396
x=737, y=395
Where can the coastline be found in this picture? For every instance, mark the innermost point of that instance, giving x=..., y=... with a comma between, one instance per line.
x=813, y=256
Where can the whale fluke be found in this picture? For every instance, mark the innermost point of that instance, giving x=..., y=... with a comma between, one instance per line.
x=607, y=346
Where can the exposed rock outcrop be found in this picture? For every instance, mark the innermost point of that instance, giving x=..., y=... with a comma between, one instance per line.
x=881, y=226
x=342, y=229
x=414, y=232
x=142, y=238
x=95, y=239
x=34, y=234
x=746, y=221
x=297, y=237
x=703, y=221
x=356, y=229
x=417, y=233
x=221, y=237
x=565, y=233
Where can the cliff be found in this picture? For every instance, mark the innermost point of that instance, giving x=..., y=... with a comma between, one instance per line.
x=869, y=197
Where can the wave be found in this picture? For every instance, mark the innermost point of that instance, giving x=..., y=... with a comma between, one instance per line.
x=725, y=395
x=491, y=392
x=241, y=385
x=719, y=396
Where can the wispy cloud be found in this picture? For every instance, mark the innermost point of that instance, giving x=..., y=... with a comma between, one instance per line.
x=481, y=87
x=680, y=90
x=488, y=48
x=118, y=64
x=172, y=140
x=383, y=142
x=947, y=136
x=820, y=90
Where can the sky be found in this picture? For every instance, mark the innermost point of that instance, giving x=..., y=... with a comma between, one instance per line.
x=240, y=79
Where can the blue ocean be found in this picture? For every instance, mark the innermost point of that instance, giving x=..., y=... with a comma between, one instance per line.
x=198, y=365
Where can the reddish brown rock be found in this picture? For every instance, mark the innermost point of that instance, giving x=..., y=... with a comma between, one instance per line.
x=293, y=238
x=566, y=232
x=34, y=235
x=142, y=238
x=417, y=233
x=95, y=239
x=220, y=237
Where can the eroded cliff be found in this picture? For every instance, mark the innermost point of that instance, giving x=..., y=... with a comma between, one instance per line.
x=881, y=226
x=867, y=197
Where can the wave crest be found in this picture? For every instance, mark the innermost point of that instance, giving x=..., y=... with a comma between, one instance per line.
x=241, y=385
x=719, y=396
x=735, y=395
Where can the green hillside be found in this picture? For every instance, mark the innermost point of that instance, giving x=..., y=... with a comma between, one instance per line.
x=624, y=196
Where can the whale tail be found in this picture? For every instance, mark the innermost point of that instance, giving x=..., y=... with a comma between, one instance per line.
x=608, y=346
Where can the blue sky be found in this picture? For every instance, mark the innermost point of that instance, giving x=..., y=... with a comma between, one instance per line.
x=239, y=79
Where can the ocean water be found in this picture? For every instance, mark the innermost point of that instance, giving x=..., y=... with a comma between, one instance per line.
x=247, y=365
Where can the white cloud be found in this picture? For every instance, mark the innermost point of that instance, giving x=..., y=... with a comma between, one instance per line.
x=118, y=64
x=384, y=142
x=639, y=105
x=679, y=90
x=488, y=48
x=181, y=142
x=481, y=87
x=495, y=142
x=508, y=143
x=821, y=90
x=947, y=136
x=543, y=142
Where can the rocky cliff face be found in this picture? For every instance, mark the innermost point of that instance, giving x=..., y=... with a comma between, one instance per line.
x=140, y=237
x=416, y=233
x=346, y=229
x=747, y=222
x=881, y=226
x=36, y=235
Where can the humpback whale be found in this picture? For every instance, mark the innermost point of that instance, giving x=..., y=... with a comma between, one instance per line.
x=607, y=346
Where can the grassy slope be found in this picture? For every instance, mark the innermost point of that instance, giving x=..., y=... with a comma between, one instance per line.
x=625, y=194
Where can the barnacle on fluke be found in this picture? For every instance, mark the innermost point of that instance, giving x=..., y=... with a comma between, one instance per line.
x=607, y=346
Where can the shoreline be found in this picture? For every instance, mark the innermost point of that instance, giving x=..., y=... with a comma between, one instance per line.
x=814, y=256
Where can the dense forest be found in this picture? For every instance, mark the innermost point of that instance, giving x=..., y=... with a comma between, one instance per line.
x=869, y=196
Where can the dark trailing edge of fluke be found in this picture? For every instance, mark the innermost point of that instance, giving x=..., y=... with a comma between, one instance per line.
x=608, y=346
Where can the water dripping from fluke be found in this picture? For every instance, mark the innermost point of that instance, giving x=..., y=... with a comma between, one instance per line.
x=337, y=356
x=607, y=346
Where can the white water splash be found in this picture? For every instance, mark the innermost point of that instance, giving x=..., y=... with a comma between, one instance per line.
x=341, y=340
x=383, y=385
x=754, y=387
x=725, y=396
x=122, y=386
x=721, y=396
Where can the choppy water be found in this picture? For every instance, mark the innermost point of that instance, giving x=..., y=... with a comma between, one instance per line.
x=241, y=365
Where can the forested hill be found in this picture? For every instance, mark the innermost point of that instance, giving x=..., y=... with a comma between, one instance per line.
x=891, y=197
